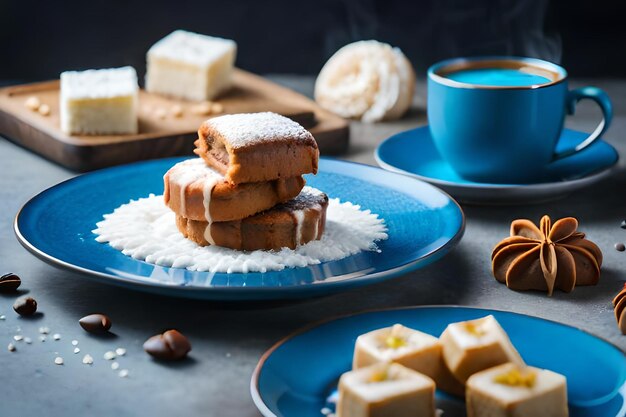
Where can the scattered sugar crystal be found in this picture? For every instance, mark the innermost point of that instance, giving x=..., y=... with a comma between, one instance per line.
x=44, y=330
x=58, y=360
x=76, y=350
x=28, y=340
x=18, y=337
x=120, y=351
x=11, y=347
x=74, y=342
x=123, y=373
x=110, y=355
x=42, y=337
x=56, y=336
x=326, y=411
x=3, y=317
x=87, y=359
x=115, y=365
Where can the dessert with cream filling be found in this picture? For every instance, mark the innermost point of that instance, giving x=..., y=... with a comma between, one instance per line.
x=99, y=102
x=256, y=147
x=385, y=390
x=197, y=192
x=190, y=66
x=510, y=390
x=475, y=345
x=289, y=225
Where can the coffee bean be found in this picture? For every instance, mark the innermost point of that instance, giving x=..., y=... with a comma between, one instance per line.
x=25, y=306
x=95, y=323
x=620, y=247
x=171, y=345
x=9, y=282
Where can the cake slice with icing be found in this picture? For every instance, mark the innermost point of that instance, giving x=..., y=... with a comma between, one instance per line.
x=254, y=147
x=197, y=192
x=290, y=224
x=190, y=66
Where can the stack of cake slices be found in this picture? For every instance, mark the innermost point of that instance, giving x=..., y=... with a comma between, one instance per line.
x=246, y=190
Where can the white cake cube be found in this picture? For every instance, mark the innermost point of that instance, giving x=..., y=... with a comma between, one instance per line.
x=474, y=345
x=411, y=348
x=385, y=390
x=99, y=102
x=190, y=66
x=512, y=391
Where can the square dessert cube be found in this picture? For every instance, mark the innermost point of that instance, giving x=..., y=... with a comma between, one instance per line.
x=99, y=102
x=253, y=147
x=190, y=66
x=475, y=345
x=411, y=348
x=509, y=390
x=385, y=390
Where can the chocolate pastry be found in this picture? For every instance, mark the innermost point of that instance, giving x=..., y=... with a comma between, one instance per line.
x=290, y=224
x=619, y=303
x=548, y=257
x=197, y=192
x=254, y=147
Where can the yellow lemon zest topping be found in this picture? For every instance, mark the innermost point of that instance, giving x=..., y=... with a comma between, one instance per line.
x=379, y=376
x=474, y=329
x=395, y=342
x=516, y=378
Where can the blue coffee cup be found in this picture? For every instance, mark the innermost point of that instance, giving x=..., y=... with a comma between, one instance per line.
x=498, y=119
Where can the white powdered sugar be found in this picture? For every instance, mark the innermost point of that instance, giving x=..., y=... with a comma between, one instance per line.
x=101, y=83
x=192, y=170
x=192, y=48
x=247, y=129
x=145, y=229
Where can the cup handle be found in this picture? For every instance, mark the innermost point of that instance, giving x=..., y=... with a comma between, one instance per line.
x=603, y=100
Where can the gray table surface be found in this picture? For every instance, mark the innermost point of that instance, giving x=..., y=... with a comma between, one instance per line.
x=228, y=339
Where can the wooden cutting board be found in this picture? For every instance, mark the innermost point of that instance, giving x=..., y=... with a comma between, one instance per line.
x=157, y=137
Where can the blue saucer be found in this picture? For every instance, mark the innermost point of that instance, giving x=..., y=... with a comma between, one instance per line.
x=595, y=369
x=413, y=152
x=424, y=224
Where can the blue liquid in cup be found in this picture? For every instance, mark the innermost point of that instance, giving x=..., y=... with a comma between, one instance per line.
x=502, y=77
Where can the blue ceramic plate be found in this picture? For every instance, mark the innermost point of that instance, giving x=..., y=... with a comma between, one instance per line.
x=424, y=223
x=413, y=152
x=595, y=369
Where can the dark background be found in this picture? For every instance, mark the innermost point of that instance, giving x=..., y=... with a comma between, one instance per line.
x=39, y=39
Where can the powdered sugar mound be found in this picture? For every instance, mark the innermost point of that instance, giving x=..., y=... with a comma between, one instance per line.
x=145, y=229
x=250, y=128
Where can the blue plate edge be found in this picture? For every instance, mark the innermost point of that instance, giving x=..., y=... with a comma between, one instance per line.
x=266, y=412
x=496, y=187
x=224, y=293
